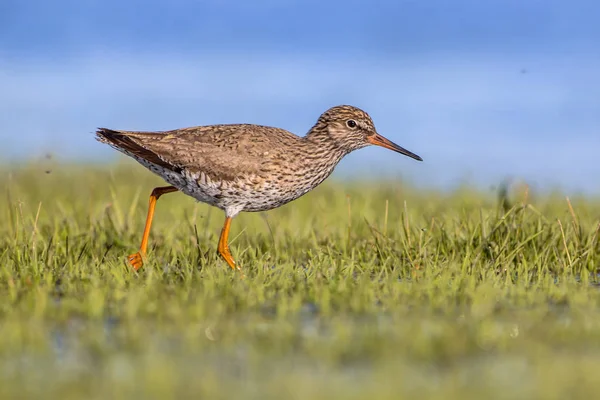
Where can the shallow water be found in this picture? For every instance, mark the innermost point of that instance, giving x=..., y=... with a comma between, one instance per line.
x=464, y=354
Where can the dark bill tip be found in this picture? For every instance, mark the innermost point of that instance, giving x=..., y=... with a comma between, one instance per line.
x=379, y=140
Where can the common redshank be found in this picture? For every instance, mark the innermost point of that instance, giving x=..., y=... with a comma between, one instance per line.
x=245, y=167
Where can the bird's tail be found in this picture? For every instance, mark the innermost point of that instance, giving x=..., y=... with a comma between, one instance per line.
x=129, y=144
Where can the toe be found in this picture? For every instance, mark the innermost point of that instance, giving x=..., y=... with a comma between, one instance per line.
x=135, y=260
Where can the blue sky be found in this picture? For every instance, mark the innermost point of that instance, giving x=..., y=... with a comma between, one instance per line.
x=481, y=90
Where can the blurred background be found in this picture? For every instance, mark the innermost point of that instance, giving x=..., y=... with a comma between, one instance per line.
x=482, y=90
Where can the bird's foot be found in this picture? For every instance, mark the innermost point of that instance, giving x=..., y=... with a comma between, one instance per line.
x=226, y=255
x=135, y=260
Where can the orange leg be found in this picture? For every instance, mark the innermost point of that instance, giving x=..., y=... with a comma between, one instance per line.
x=223, y=247
x=136, y=259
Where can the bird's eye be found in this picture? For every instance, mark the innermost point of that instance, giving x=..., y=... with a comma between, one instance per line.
x=351, y=123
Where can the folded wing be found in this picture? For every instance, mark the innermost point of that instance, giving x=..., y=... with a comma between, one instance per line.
x=222, y=152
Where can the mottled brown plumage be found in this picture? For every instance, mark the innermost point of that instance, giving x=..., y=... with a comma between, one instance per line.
x=244, y=167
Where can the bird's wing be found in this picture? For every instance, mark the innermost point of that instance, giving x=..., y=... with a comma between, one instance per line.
x=222, y=152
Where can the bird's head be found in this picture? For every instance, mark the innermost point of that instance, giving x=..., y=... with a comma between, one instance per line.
x=350, y=128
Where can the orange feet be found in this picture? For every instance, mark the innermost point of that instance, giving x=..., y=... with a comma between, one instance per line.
x=135, y=260
x=224, y=252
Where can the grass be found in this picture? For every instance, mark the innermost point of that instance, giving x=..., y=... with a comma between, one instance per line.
x=356, y=290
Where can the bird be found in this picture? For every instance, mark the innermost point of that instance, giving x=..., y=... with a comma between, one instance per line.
x=245, y=167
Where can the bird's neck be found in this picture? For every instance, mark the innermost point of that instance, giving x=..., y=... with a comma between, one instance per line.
x=323, y=152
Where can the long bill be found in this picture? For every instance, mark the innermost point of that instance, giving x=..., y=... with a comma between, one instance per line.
x=379, y=140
